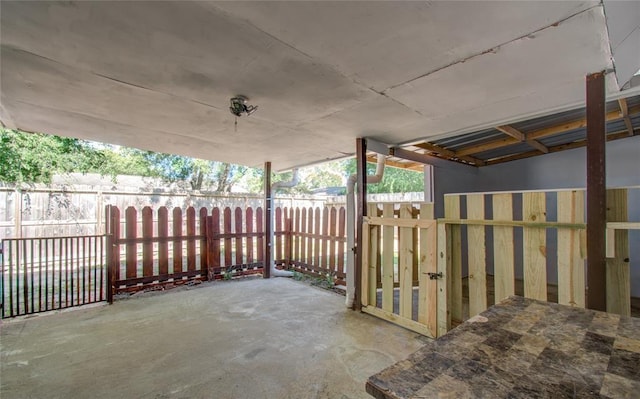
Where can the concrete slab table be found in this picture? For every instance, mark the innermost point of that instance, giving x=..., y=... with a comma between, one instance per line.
x=522, y=348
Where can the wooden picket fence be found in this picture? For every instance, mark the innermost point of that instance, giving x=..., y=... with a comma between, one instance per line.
x=155, y=248
x=316, y=241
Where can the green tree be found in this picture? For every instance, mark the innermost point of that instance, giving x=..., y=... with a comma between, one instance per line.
x=201, y=174
x=35, y=157
x=395, y=180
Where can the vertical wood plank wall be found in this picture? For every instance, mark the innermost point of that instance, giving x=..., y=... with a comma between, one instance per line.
x=503, y=248
x=571, y=277
x=535, y=246
x=477, y=261
x=570, y=247
x=618, y=274
x=452, y=211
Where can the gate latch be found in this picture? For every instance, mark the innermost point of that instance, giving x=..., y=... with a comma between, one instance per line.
x=434, y=276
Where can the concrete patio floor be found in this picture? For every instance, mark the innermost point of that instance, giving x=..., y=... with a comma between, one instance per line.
x=250, y=338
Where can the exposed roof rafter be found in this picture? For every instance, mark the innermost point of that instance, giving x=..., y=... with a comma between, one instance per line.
x=624, y=110
x=518, y=135
x=441, y=151
x=542, y=133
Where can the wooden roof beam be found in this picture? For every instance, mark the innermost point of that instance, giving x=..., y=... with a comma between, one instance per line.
x=414, y=166
x=624, y=110
x=538, y=134
x=557, y=148
x=518, y=135
x=448, y=153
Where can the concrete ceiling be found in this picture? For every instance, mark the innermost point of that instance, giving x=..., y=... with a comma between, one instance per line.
x=159, y=75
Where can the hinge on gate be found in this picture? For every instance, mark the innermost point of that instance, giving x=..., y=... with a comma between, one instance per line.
x=434, y=276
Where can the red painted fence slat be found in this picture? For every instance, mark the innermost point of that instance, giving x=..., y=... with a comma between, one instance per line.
x=239, y=239
x=227, y=241
x=163, y=246
x=147, y=247
x=177, y=243
x=131, y=249
x=250, y=240
x=325, y=241
x=191, y=242
x=277, y=228
x=214, y=260
x=204, y=253
x=259, y=224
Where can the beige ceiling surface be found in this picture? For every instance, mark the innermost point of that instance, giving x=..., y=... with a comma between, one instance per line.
x=159, y=75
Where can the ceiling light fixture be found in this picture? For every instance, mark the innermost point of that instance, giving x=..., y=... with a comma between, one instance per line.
x=239, y=106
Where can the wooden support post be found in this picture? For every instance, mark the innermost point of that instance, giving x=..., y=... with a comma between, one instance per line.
x=361, y=209
x=268, y=202
x=596, y=192
x=109, y=252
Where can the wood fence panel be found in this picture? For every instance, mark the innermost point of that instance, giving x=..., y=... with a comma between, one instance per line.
x=250, y=240
x=571, y=277
x=333, y=215
x=239, y=239
x=373, y=240
x=296, y=235
x=204, y=252
x=287, y=234
x=309, y=231
x=477, y=256
x=303, y=237
x=317, y=225
x=131, y=249
x=191, y=242
x=226, y=222
x=277, y=228
x=215, y=250
x=163, y=245
x=341, y=243
x=147, y=247
x=324, y=255
x=115, y=254
x=405, y=264
x=618, y=278
x=388, y=268
x=503, y=248
x=177, y=242
x=534, y=254
x=259, y=224
x=427, y=288
x=452, y=211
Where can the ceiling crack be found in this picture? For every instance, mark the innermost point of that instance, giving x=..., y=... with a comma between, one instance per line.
x=494, y=49
x=110, y=77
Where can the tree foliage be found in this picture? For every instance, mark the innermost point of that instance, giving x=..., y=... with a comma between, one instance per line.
x=394, y=180
x=35, y=158
x=201, y=174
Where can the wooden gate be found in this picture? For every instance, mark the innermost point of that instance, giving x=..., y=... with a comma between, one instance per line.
x=399, y=276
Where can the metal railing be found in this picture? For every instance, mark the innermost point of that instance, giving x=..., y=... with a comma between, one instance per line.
x=42, y=274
